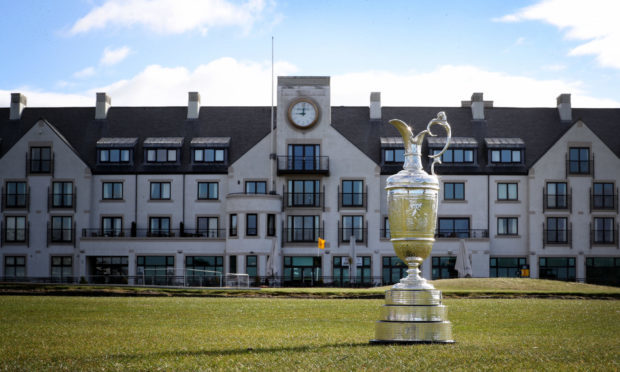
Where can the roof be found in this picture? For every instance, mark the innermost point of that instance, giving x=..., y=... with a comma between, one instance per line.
x=391, y=142
x=504, y=142
x=163, y=141
x=454, y=142
x=117, y=141
x=211, y=141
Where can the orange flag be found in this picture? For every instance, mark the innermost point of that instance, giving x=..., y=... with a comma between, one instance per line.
x=321, y=243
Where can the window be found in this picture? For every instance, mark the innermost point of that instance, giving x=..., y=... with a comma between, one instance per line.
x=352, y=193
x=208, y=191
x=251, y=224
x=203, y=271
x=507, y=191
x=207, y=155
x=603, y=270
x=342, y=273
x=159, y=226
x=114, y=156
x=579, y=160
x=453, y=228
x=393, y=155
x=556, y=196
x=456, y=155
x=251, y=266
x=352, y=226
x=161, y=155
x=62, y=194
x=16, y=195
x=303, y=193
x=304, y=157
x=301, y=270
x=303, y=228
x=112, y=191
x=112, y=226
x=506, y=156
x=385, y=232
x=40, y=160
x=255, y=187
x=271, y=225
x=15, y=229
x=603, y=196
x=14, y=267
x=507, y=226
x=393, y=269
x=557, y=230
x=62, y=268
x=556, y=268
x=454, y=191
x=443, y=268
x=604, y=231
x=232, y=228
x=109, y=269
x=62, y=229
x=506, y=267
x=208, y=227
x=155, y=270
x=160, y=190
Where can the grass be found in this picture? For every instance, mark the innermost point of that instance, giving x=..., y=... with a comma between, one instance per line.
x=474, y=287
x=180, y=333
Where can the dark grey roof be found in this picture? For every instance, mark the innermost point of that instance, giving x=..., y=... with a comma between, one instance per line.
x=504, y=142
x=163, y=141
x=391, y=142
x=454, y=142
x=245, y=126
x=211, y=141
x=117, y=141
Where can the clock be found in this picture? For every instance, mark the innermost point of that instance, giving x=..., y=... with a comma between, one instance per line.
x=303, y=113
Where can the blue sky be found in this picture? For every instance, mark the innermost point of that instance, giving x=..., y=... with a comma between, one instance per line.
x=436, y=53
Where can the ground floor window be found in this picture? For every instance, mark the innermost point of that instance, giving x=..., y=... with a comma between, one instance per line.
x=342, y=273
x=506, y=267
x=62, y=268
x=203, y=271
x=302, y=270
x=108, y=269
x=251, y=266
x=393, y=270
x=155, y=270
x=14, y=267
x=443, y=267
x=557, y=268
x=603, y=270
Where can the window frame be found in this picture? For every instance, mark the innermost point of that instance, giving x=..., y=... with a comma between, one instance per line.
x=17, y=195
x=113, y=191
x=159, y=150
x=233, y=228
x=452, y=186
x=506, y=223
x=508, y=152
x=159, y=184
x=15, y=229
x=109, y=150
x=357, y=198
x=14, y=266
x=40, y=159
x=507, y=186
x=204, y=151
x=251, y=231
x=580, y=162
x=209, y=185
x=255, y=186
x=63, y=238
x=63, y=195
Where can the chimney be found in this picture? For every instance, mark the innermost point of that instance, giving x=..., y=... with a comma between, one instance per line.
x=564, y=107
x=477, y=106
x=103, y=104
x=375, y=106
x=18, y=104
x=193, y=105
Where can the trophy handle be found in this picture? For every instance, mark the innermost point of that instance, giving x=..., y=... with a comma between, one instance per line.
x=442, y=120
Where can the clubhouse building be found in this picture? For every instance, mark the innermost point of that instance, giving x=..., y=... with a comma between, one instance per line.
x=182, y=195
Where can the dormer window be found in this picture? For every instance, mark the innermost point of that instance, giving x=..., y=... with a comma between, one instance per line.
x=162, y=150
x=115, y=150
x=392, y=150
x=462, y=150
x=505, y=151
x=210, y=150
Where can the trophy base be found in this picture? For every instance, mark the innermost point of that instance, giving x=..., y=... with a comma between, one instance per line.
x=412, y=316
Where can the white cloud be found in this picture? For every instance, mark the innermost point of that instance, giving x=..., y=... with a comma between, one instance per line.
x=114, y=56
x=84, y=73
x=228, y=82
x=554, y=67
x=171, y=16
x=592, y=22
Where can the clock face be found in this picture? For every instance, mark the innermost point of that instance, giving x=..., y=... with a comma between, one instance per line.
x=303, y=113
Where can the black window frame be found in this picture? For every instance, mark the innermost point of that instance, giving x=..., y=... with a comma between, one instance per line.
x=8, y=267
x=506, y=156
x=210, y=185
x=507, y=186
x=12, y=234
x=546, y=271
x=40, y=160
x=603, y=195
x=251, y=230
x=582, y=165
x=159, y=231
x=205, y=151
x=253, y=186
x=453, y=232
x=271, y=224
x=304, y=233
x=442, y=267
x=506, y=223
x=63, y=199
x=233, y=226
x=498, y=264
x=297, y=196
x=20, y=200
x=450, y=187
x=251, y=264
x=560, y=200
x=357, y=231
x=157, y=154
x=356, y=198
x=555, y=234
x=109, y=151
x=304, y=161
x=393, y=269
x=63, y=262
x=341, y=271
x=158, y=184
x=113, y=185
x=393, y=155
x=63, y=230
x=453, y=155
x=113, y=230
x=606, y=235
x=208, y=231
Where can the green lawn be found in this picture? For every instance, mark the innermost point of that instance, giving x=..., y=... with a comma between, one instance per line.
x=261, y=334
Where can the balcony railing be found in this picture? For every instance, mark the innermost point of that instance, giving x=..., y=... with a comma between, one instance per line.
x=62, y=200
x=580, y=167
x=348, y=200
x=360, y=234
x=604, y=237
x=158, y=233
x=303, y=165
x=40, y=166
x=304, y=199
x=463, y=233
x=557, y=202
x=16, y=201
x=61, y=235
x=557, y=236
x=303, y=235
x=604, y=202
x=15, y=236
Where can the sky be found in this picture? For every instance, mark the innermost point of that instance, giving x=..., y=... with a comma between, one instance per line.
x=416, y=53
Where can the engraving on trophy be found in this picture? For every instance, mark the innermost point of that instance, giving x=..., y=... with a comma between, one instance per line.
x=413, y=311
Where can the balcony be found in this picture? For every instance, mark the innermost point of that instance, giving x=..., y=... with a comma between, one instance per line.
x=62, y=200
x=302, y=235
x=15, y=236
x=349, y=200
x=303, y=165
x=61, y=236
x=16, y=201
x=208, y=234
x=360, y=234
x=604, y=237
x=580, y=167
x=604, y=202
x=555, y=237
x=304, y=199
x=557, y=202
x=40, y=166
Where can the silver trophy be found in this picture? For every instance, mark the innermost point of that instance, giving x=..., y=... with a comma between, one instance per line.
x=413, y=312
